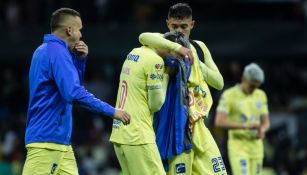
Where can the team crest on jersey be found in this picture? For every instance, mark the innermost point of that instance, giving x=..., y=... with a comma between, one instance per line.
x=158, y=67
x=180, y=168
x=258, y=104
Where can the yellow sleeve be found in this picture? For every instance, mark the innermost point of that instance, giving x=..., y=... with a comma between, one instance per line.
x=224, y=103
x=209, y=69
x=156, y=84
x=156, y=40
x=264, y=106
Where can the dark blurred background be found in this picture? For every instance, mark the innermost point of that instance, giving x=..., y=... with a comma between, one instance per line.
x=272, y=33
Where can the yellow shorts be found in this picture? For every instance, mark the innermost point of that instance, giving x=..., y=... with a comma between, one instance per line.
x=205, y=157
x=245, y=165
x=139, y=159
x=44, y=161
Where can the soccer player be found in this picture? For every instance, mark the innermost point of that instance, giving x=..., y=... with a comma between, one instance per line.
x=55, y=77
x=142, y=89
x=243, y=110
x=205, y=157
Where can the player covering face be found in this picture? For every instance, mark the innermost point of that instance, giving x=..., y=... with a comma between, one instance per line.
x=142, y=88
x=205, y=157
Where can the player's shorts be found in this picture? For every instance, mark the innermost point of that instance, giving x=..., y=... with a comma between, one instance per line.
x=43, y=161
x=204, y=158
x=242, y=164
x=139, y=159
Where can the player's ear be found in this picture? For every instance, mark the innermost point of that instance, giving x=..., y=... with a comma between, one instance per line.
x=192, y=24
x=168, y=24
x=68, y=31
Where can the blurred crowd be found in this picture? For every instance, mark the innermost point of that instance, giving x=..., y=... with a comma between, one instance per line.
x=285, y=84
x=16, y=13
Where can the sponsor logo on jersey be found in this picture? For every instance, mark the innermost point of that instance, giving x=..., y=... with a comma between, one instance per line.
x=156, y=76
x=153, y=76
x=160, y=76
x=243, y=118
x=132, y=57
x=53, y=168
x=180, y=168
x=116, y=124
x=244, y=171
x=154, y=87
x=243, y=163
x=126, y=70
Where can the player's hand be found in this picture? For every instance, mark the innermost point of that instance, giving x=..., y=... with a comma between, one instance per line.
x=191, y=124
x=251, y=126
x=81, y=49
x=186, y=54
x=260, y=133
x=122, y=116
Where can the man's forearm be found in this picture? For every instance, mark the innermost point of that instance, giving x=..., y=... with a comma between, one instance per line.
x=212, y=77
x=156, y=41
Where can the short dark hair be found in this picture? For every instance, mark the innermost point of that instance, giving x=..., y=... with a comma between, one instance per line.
x=177, y=37
x=58, y=16
x=180, y=11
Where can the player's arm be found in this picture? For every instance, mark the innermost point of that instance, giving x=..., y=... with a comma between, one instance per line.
x=156, y=82
x=210, y=71
x=80, y=65
x=67, y=80
x=264, y=120
x=264, y=126
x=157, y=41
x=221, y=120
x=157, y=93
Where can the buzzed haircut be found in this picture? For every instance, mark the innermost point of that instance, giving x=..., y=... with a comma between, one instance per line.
x=59, y=15
x=180, y=11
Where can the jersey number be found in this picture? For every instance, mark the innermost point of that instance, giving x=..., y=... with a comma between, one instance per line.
x=218, y=164
x=123, y=94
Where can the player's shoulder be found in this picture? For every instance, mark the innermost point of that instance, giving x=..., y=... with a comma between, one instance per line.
x=55, y=52
x=200, y=43
x=231, y=90
x=149, y=56
x=260, y=93
x=145, y=57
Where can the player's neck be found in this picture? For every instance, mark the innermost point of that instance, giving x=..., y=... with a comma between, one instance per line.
x=244, y=89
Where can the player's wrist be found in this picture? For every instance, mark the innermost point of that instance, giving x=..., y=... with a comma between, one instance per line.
x=177, y=47
x=264, y=129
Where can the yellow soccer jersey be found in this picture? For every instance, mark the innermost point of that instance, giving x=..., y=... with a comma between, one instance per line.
x=142, y=70
x=245, y=109
x=200, y=96
x=199, y=92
